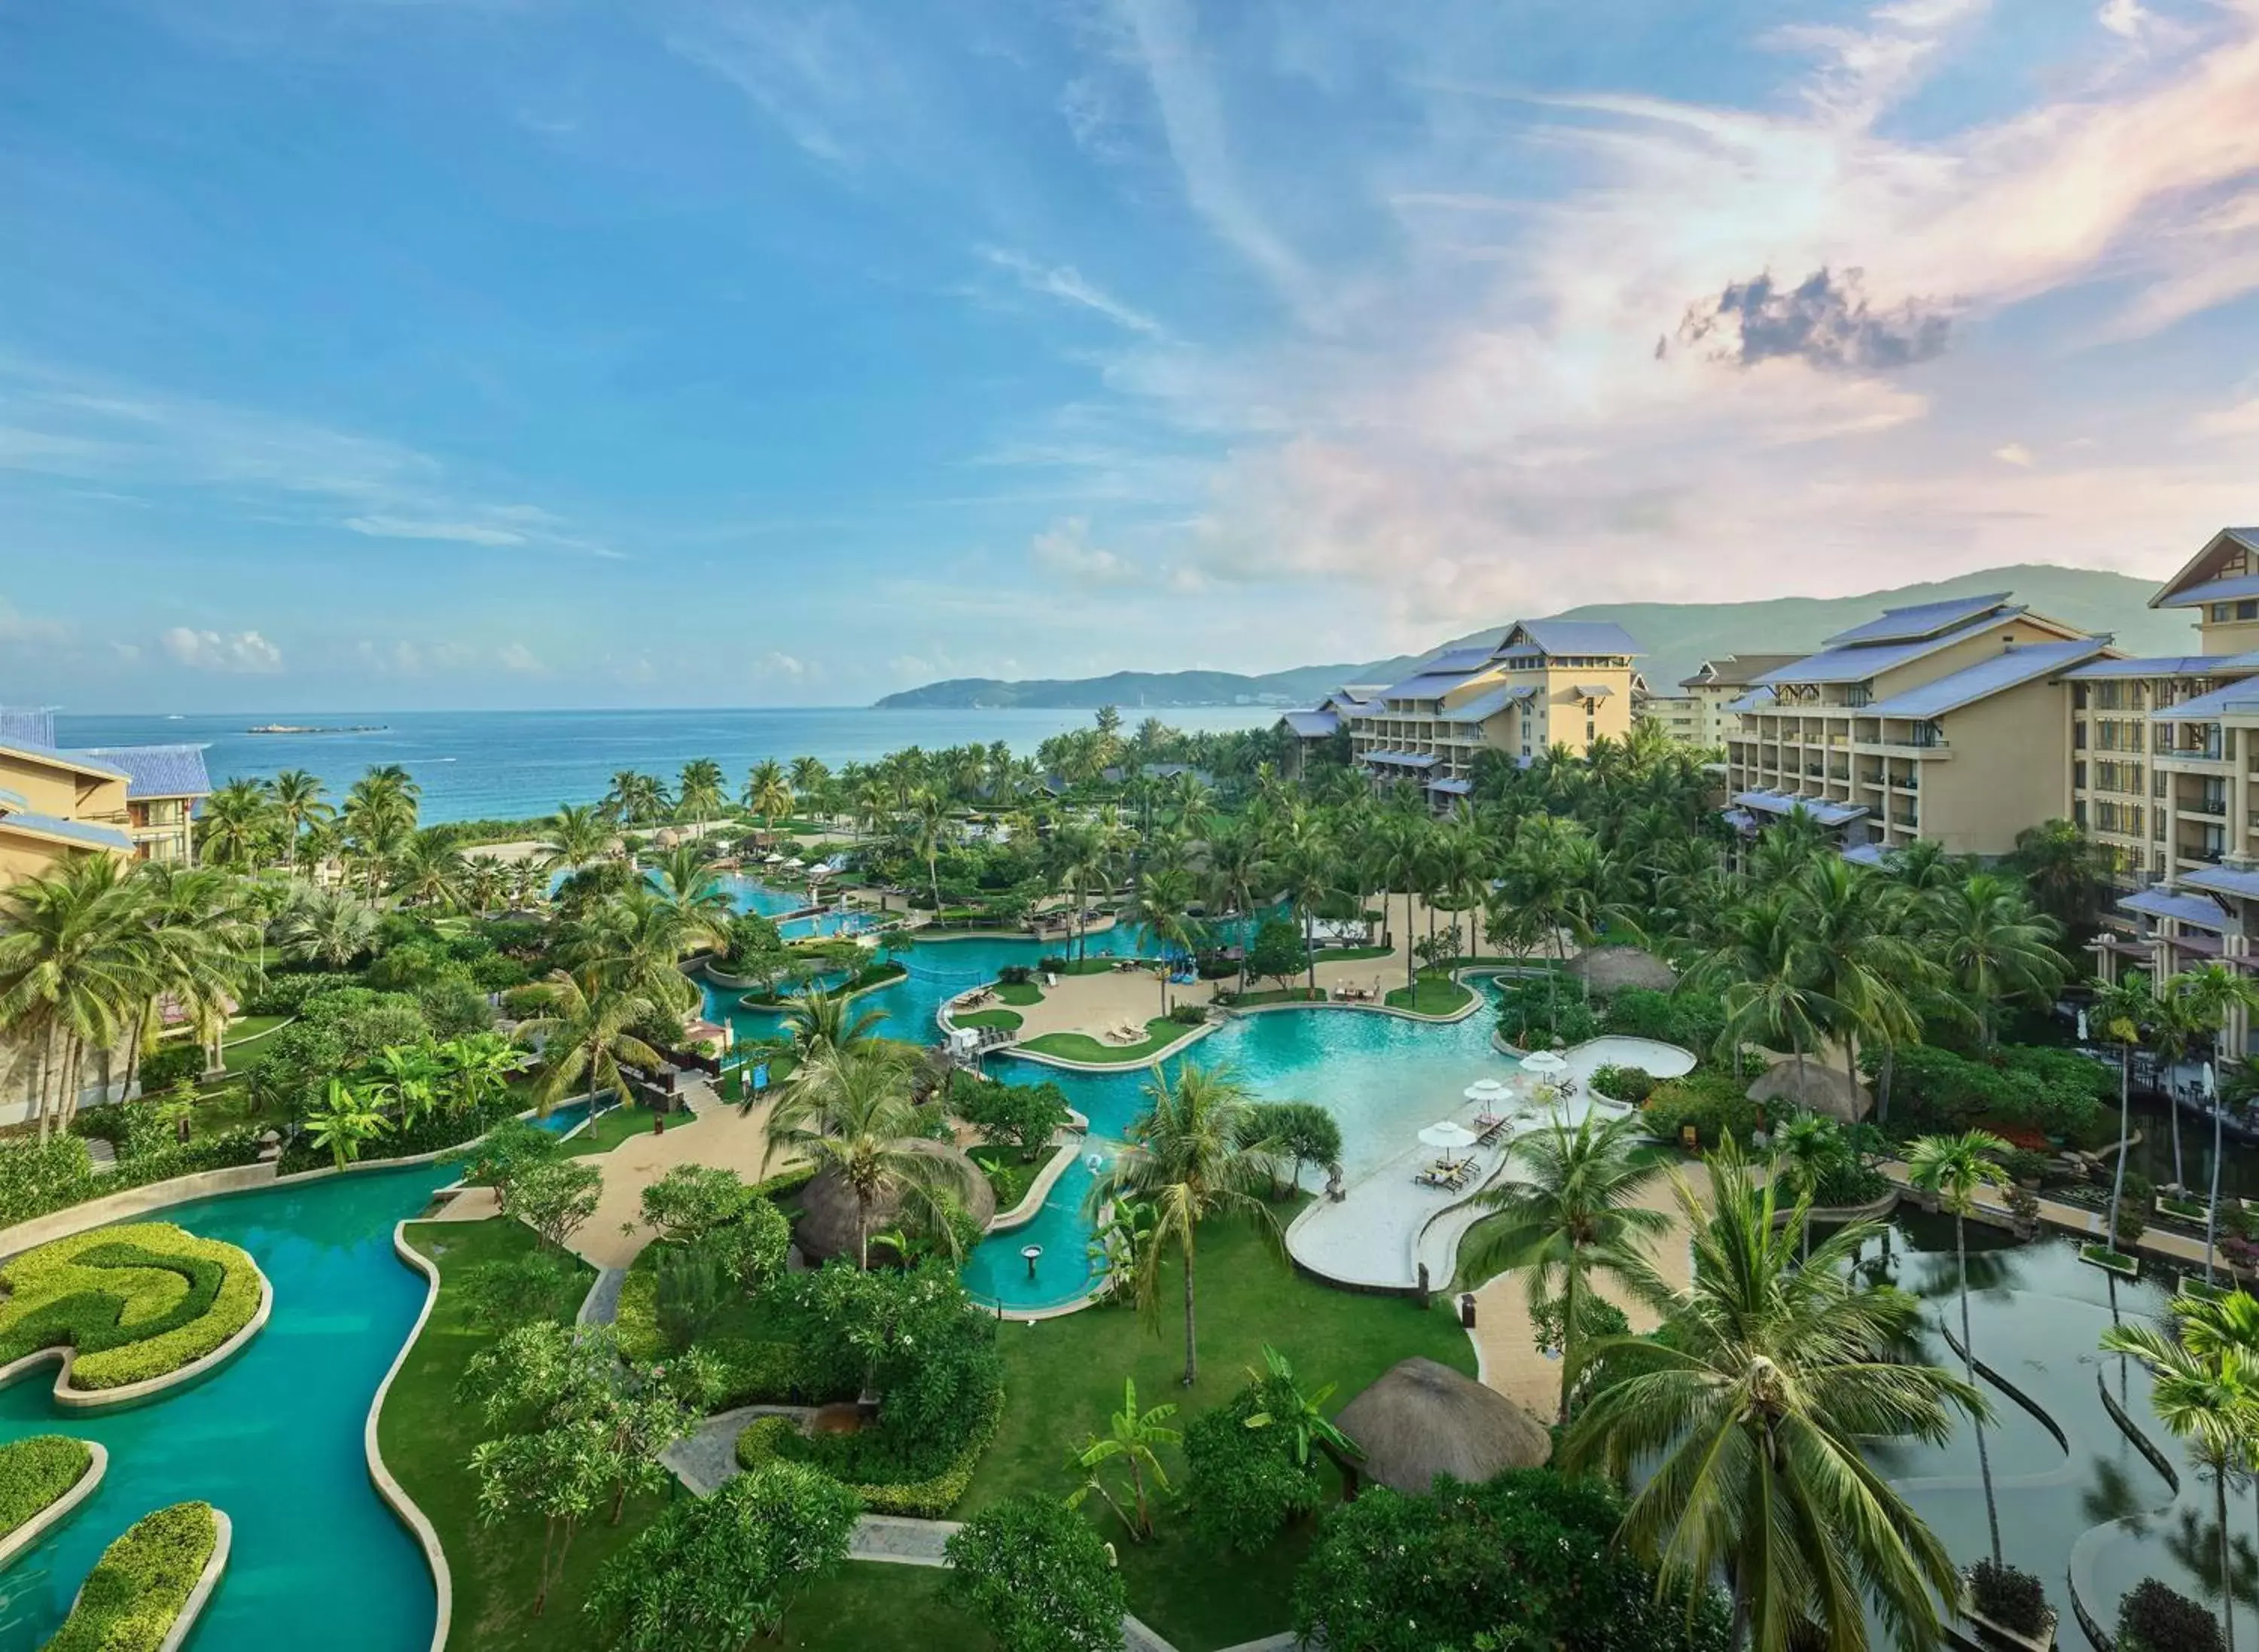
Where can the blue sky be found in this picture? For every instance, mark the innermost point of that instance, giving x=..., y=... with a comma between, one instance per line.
x=390, y=353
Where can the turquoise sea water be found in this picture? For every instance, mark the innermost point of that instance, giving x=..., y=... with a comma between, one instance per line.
x=274, y=1438
x=511, y=764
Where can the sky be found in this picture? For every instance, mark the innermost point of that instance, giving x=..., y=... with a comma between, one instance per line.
x=399, y=353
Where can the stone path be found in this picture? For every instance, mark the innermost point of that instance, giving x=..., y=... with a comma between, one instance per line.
x=707, y=1460
x=901, y=1542
x=1991, y=1205
x=601, y=1305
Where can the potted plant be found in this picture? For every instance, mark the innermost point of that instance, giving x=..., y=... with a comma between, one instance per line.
x=2024, y=1211
x=2006, y=1607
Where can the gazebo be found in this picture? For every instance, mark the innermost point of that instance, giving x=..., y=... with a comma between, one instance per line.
x=1422, y=1419
x=826, y=1228
x=1612, y=969
x=1820, y=1088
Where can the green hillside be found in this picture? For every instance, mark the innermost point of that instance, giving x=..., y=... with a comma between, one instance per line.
x=1676, y=637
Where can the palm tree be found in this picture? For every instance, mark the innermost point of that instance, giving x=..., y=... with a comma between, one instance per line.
x=329, y=927
x=1162, y=905
x=1761, y=969
x=236, y=824
x=2178, y=1021
x=1859, y=960
x=430, y=870
x=2211, y=1400
x=1080, y=861
x=1309, y=876
x=1235, y=866
x=1806, y=1150
x=2214, y=993
x=1570, y=1211
x=686, y=885
x=1194, y=1153
x=1403, y=858
x=926, y=825
x=1994, y=946
x=75, y=961
x=586, y=1037
x=634, y=799
x=578, y=834
x=2123, y=1011
x=852, y=1113
x=828, y=1021
x=1748, y=1416
x=809, y=776
x=634, y=943
x=699, y=790
x=377, y=818
x=768, y=793
x=203, y=945
x=1129, y=1440
x=343, y=1122
x=298, y=803
x=2060, y=869
x=1953, y=1168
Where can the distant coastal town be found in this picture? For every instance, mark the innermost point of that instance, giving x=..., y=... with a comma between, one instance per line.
x=308, y=728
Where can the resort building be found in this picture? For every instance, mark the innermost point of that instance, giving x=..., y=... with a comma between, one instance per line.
x=135, y=802
x=1323, y=723
x=1546, y=683
x=2165, y=773
x=1678, y=716
x=1943, y=721
x=1705, y=722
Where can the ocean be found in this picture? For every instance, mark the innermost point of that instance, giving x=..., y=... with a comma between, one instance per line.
x=512, y=764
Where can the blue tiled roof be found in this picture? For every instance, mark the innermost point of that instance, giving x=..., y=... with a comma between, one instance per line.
x=1923, y=619
x=51, y=754
x=2201, y=911
x=2162, y=666
x=1487, y=705
x=1557, y=637
x=1312, y=725
x=1826, y=811
x=2235, y=698
x=1866, y=855
x=1459, y=659
x=1755, y=700
x=69, y=830
x=2224, y=880
x=157, y=771
x=2236, y=589
x=1403, y=759
x=1430, y=685
x=1451, y=788
x=2006, y=669
x=1857, y=663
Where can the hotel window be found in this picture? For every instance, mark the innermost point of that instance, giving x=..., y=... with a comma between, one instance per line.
x=2247, y=610
x=2220, y=612
x=2079, y=776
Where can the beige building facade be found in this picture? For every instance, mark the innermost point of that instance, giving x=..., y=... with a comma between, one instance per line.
x=135, y=802
x=1708, y=693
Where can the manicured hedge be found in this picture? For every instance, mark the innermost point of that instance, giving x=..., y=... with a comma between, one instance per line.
x=136, y=1590
x=38, y=1178
x=138, y=1301
x=767, y=1437
x=34, y=1472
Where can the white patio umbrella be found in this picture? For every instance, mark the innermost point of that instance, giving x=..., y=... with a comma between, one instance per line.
x=1448, y=1133
x=1545, y=1064
x=1483, y=1090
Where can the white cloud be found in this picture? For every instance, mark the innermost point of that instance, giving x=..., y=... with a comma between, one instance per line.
x=2013, y=453
x=1064, y=548
x=1064, y=282
x=2239, y=421
x=2123, y=17
x=519, y=657
x=19, y=630
x=776, y=663
x=238, y=653
x=462, y=532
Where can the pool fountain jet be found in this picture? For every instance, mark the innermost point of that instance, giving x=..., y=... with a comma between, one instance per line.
x=1031, y=1252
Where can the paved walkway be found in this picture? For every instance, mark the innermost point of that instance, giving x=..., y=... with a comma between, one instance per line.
x=601, y=1305
x=1991, y=1204
x=707, y=1460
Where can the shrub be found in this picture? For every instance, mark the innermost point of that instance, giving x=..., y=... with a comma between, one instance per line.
x=501, y=1296
x=136, y=1301
x=1025, y=1115
x=1302, y=1131
x=2154, y=1619
x=1278, y=952
x=689, y=1283
x=166, y=1065
x=522, y=1003
x=38, y=1177
x=711, y=1574
x=1712, y=1102
x=1528, y=1549
x=1242, y=1485
x=1188, y=1015
x=691, y=1201
x=135, y=1592
x=2009, y=1596
x=1633, y=1084
x=1015, y=975
x=34, y=1472
x=1530, y=1011
x=1036, y=1576
x=2023, y=1165
x=1692, y=1020
x=1052, y=964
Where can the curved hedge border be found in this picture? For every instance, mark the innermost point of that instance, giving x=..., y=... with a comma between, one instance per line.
x=760, y=1440
x=145, y=1592
x=395, y=1495
x=128, y=1309
x=43, y=1477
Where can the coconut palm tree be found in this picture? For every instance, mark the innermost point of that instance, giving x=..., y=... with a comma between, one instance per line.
x=1569, y=1211
x=203, y=947
x=1078, y=863
x=2123, y=1012
x=1955, y=1168
x=1747, y=1416
x=486, y=882
x=1762, y=970
x=768, y=793
x=1806, y=1150
x=1403, y=860
x=851, y=1111
x=298, y=803
x=699, y=791
x=636, y=799
x=2214, y=994
x=1859, y=959
x=430, y=870
x=684, y=883
x=585, y=1037
x=2209, y=1398
x=579, y=833
x=377, y=818
x=75, y=965
x=329, y=927
x=1163, y=904
x=1992, y=946
x=2059, y=867
x=809, y=776
x=343, y=1122
x=1309, y=871
x=1195, y=1154
x=821, y=1020
x=236, y=825
x=635, y=943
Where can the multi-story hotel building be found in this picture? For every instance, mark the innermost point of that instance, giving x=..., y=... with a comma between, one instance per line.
x=1547, y=683
x=135, y=802
x=1705, y=722
x=1943, y=721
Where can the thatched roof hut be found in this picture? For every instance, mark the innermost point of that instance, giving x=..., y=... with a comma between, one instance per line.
x=1421, y=1420
x=1612, y=969
x=826, y=1228
x=1820, y=1088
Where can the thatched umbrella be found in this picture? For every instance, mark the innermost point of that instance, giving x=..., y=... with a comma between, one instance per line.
x=1818, y=1088
x=826, y=1228
x=1612, y=969
x=1421, y=1420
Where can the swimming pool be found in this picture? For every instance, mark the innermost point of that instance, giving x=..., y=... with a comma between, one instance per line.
x=274, y=1438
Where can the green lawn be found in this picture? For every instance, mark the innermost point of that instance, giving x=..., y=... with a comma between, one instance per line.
x=1063, y=1376
x=873, y=1605
x=1008, y=1019
x=1021, y=993
x=427, y=1437
x=1280, y=995
x=614, y=1125
x=1433, y=996
x=1354, y=954
x=1007, y=1173
x=1085, y=966
x=1160, y=1033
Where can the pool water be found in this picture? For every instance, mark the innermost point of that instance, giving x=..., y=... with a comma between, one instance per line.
x=274, y=1438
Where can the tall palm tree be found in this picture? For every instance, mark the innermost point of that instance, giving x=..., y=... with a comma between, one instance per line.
x=1806, y=1150
x=377, y=818
x=1079, y=863
x=699, y=791
x=2123, y=1012
x=329, y=927
x=1309, y=871
x=1569, y=1211
x=809, y=776
x=578, y=834
x=2214, y=994
x=1955, y=1168
x=828, y=1020
x=684, y=883
x=430, y=870
x=1403, y=860
x=768, y=793
x=585, y=1037
x=75, y=962
x=2180, y=1022
x=852, y=1113
x=1761, y=968
x=1460, y=868
x=634, y=799
x=927, y=826
x=2209, y=1400
x=1195, y=1154
x=1163, y=904
x=1747, y=1415
x=236, y=824
x=634, y=943
x=2061, y=868
x=298, y=803
x=1233, y=868
x=203, y=947
x=1859, y=959
x=1994, y=946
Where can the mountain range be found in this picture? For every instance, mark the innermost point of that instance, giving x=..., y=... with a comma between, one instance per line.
x=1677, y=638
